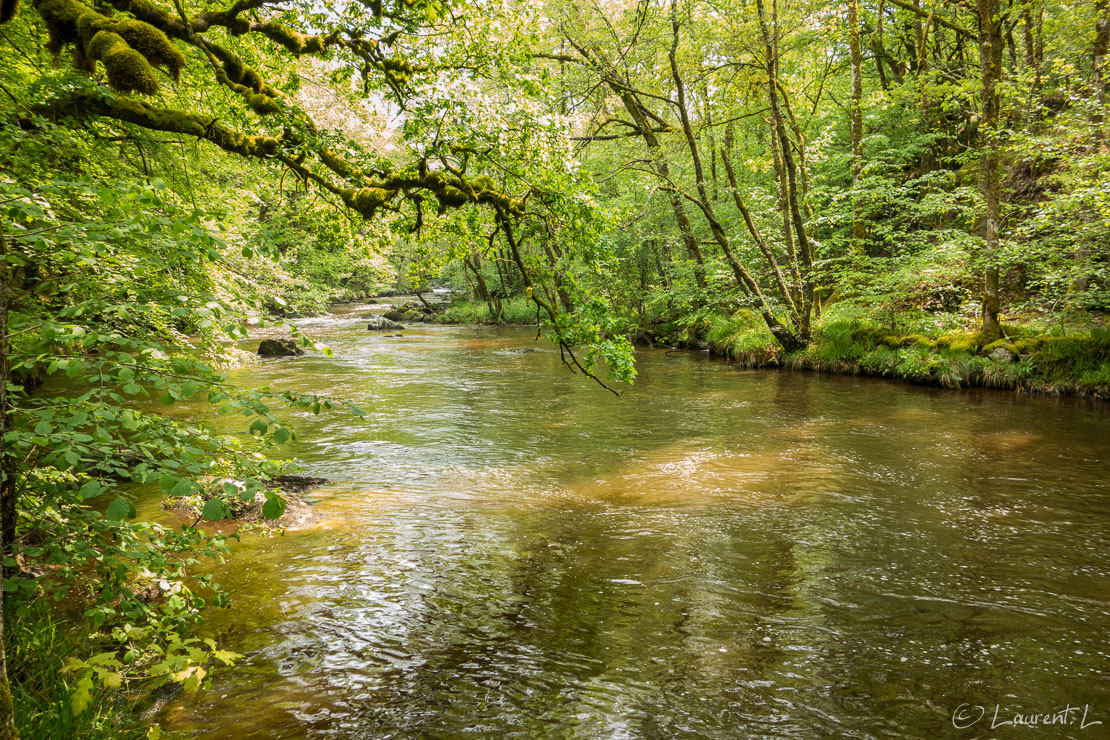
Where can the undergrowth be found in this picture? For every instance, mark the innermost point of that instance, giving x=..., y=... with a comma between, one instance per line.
x=1019, y=358
x=37, y=647
x=517, y=310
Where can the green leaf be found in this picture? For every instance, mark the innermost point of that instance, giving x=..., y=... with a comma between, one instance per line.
x=282, y=435
x=91, y=489
x=82, y=695
x=120, y=509
x=226, y=656
x=274, y=507
x=213, y=510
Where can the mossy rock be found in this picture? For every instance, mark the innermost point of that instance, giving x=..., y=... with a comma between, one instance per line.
x=868, y=335
x=964, y=344
x=1001, y=350
x=918, y=340
x=891, y=341
x=969, y=342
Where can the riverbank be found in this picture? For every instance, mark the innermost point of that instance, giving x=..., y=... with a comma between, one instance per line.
x=1024, y=359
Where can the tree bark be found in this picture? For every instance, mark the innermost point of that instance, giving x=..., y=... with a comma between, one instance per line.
x=805, y=251
x=7, y=485
x=744, y=279
x=1099, y=50
x=855, y=108
x=990, y=59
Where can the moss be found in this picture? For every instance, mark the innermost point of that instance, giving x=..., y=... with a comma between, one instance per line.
x=451, y=197
x=61, y=18
x=152, y=44
x=263, y=104
x=366, y=200
x=482, y=183
x=965, y=341
x=917, y=340
x=400, y=67
x=1000, y=344
x=867, y=335
x=296, y=43
x=963, y=344
x=103, y=43
x=128, y=48
x=129, y=71
x=1028, y=345
x=243, y=74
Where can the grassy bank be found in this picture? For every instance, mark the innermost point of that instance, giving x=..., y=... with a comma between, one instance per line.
x=517, y=310
x=37, y=647
x=1024, y=358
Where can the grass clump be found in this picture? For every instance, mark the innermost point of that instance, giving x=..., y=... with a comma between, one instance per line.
x=742, y=337
x=38, y=644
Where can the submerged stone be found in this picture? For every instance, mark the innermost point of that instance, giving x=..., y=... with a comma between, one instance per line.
x=381, y=323
x=279, y=348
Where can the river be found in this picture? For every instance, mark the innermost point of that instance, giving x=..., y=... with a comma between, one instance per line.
x=508, y=550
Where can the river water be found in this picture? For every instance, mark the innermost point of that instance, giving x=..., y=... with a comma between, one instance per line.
x=508, y=550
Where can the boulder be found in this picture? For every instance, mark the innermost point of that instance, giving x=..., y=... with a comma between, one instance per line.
x=394, y=314
x=279, y=348
x=381, y=323
x=1001, y=354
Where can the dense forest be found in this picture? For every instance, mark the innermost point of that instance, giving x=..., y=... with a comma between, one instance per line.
x=917, y=189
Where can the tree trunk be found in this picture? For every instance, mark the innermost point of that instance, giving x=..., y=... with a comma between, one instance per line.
x=7, y=485
x=1099, y=50
x=805, y=249
x=855, y=107
x=990, y=59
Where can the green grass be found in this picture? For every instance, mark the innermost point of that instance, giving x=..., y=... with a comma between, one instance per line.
x=37, y=647
x=742, y=337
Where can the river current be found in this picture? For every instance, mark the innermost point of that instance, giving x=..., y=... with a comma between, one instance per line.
x=508, y=550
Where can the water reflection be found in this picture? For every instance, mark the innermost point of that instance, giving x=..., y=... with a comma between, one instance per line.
x=509, y=551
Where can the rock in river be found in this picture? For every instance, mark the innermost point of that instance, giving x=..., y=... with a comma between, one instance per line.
x=381, y=323
x=279, y=348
